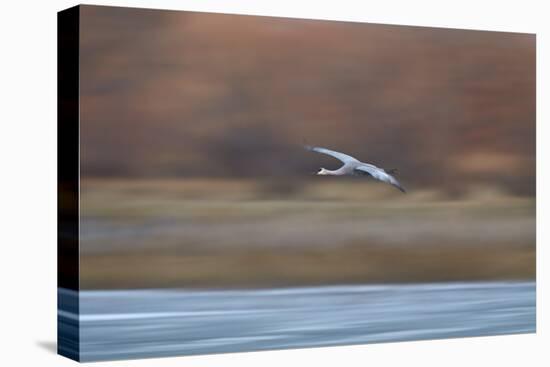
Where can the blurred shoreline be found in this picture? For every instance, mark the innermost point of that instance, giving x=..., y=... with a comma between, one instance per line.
x=258, y=269
x=237, y=233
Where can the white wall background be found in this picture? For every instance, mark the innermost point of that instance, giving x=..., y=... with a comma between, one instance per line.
x=28, y=182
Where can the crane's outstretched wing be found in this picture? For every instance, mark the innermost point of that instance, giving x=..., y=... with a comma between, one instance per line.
x=380, y=175
x=340, y=156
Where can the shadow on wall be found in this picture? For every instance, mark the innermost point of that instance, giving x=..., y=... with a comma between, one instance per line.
x=48, y=345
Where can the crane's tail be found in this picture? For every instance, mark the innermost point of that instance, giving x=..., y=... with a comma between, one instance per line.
x=400, y=188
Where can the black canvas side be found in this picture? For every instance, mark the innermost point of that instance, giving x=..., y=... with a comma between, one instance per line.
x=68, y=24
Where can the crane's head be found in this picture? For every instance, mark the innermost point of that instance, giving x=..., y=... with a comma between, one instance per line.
x=323, y=172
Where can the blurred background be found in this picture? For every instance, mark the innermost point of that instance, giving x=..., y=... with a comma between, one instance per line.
x=193, y=171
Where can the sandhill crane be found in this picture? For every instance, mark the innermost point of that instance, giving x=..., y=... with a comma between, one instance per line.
x=355, y=167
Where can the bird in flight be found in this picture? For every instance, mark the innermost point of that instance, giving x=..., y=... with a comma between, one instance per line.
x=354, y=167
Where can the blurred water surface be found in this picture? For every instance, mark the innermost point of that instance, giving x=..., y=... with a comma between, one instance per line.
x=120, y=324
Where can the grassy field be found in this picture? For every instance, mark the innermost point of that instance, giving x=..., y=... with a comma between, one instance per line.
x=220, y=233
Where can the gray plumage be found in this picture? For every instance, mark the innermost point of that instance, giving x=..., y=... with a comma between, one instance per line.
x=354, y=167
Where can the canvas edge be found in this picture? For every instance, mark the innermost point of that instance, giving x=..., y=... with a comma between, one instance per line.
x=68, y=43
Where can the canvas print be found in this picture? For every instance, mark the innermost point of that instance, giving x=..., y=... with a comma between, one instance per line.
x=232, y=183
